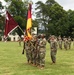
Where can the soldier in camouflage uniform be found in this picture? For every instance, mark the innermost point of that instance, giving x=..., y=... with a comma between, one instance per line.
x=42, y=51
x=60, y=42
x=65, y=43
x=28, y=50
x=34, y=50
x=53, y=47
x=69, y=42
x=38, y=49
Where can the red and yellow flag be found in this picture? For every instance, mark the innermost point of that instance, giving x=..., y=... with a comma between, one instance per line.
x=29, y=22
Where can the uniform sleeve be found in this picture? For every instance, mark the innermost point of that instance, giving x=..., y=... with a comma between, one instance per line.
x=55, y=44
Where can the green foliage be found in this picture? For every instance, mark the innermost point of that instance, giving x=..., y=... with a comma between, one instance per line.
x=71, y=22
x=1, y=6
x=0, y=38
x=53, y=17
x=2, y=23
x=12, y=62
x=1, y=19
x=35, y=23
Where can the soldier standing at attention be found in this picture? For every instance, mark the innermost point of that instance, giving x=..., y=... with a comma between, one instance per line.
x=42, y=51
x=65, y=43
x=34, y=53
x=38, y=48
x=60, y=42
x=53, y=48
x=19, y=40
x=69, y=42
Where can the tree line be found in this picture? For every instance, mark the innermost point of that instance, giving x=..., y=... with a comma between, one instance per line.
x=50, y=19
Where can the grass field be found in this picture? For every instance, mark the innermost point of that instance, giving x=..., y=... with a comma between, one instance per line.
x=12, y=62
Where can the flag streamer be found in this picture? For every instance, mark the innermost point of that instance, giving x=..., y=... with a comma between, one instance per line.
x=29, y=22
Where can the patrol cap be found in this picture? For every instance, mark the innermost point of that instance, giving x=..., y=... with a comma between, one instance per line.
x=53, y=36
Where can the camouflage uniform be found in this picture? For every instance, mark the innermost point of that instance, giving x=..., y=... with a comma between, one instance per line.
x=28, y=51
x=20, y=40
x=42, y=51
x=34, y=50
x=60, y=42
x=26, y=48
x=65, y=43
x=53, y=47
x=38, y=48
x=69, y=42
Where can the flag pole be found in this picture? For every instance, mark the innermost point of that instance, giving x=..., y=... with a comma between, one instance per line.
x=21, y=29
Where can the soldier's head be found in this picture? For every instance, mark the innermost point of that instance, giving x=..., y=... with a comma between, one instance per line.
x=39, y=36
x=64, y=36
x=32, y=34
x=42, y=36
x=53, y=37
x=69, y=36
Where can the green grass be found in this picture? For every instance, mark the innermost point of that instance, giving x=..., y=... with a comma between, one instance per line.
x=12, y=62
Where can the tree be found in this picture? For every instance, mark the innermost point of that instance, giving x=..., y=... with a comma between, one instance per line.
x=58, y=23
x=71, y=22
x=1, y=7
x=52, y=16
x=41, y=15
x=1, y=19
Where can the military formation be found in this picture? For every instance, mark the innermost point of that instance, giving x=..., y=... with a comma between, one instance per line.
x=64, y=42
x=36, y=48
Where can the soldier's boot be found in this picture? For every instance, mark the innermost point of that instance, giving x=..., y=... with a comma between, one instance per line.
x=28, y=61
x=42, y=67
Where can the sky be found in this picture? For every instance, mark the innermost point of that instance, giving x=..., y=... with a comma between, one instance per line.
x=66, y=4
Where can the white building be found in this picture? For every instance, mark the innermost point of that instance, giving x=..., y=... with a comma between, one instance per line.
x=14, y=37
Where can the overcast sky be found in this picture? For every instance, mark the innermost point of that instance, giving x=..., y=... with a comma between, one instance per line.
x=66, y=4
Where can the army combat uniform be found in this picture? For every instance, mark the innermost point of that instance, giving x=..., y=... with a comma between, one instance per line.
x=69, y=42
x=28, y=51
x=60, y=42
x=34, y=51
x=42, y=51
x=65, y=43
x=53, y=47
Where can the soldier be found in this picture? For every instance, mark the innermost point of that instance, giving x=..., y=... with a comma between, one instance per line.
x=42, y=51
x=19, y=40
x=34, y=51
x=49, y=39
x=60, y=42
x=53, y=47
x=38, y=48
x=28, y=51
x=65, y=43
x=69, y=42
